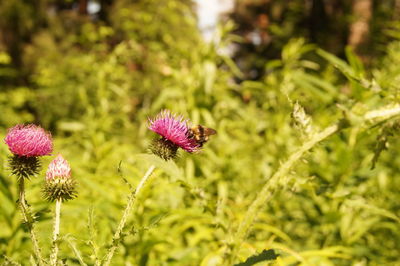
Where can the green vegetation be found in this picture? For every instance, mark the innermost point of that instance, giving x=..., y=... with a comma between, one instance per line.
x=304, y=162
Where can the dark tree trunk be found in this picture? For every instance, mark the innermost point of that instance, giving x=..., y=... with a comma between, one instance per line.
x=83, y=7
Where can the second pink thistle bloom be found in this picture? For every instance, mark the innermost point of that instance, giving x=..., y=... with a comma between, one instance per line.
x=174, y=132
x=59, y=168
x=59, y=182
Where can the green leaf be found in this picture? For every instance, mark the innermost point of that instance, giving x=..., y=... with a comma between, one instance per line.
x=341, y=65
x=266, y=254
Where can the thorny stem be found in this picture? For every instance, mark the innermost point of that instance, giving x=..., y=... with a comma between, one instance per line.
x=126, y=214
x=56, y=232
x=28, y=220
x=76, y=252
x=272, y=184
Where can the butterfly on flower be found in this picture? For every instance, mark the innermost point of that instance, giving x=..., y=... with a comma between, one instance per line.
x=201, y=134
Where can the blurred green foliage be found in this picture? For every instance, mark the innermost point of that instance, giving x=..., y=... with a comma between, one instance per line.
x=94, y=83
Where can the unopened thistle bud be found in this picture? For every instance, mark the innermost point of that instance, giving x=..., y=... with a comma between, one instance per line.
x=174, y=133
x=27, y=143
x=59, y=183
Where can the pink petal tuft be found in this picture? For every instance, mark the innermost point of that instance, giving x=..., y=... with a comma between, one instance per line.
x=29, y=141
x=58, y=168
x=175, y=129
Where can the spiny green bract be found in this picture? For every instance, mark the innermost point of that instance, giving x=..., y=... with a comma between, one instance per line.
x=164, y=149
x=24, y=167
x=59, y=188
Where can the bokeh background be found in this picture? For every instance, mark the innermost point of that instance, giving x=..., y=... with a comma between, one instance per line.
x=92, y=72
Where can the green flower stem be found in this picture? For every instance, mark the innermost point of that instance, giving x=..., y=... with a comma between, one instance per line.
x=268, y=190
x=126, y=214
x=56, y=232
x=28, y=219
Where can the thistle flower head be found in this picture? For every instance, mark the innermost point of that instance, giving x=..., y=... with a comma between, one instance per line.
x=58, y=168
x=174, y=131
x=29, y=141
x=59, y=183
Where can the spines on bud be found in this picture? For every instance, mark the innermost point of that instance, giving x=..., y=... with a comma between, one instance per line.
x=59, y=189
x=24, y=167
x=164, y=148
x=59, y=183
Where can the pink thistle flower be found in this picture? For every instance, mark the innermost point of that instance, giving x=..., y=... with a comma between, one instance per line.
x=58, y=169
x=59, y=183
x=174, y=129
x=29, y=141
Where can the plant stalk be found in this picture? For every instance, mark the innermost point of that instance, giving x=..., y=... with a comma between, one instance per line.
x=127, y=211
x=268, y=190
x=56, y=232
x=28, y=220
